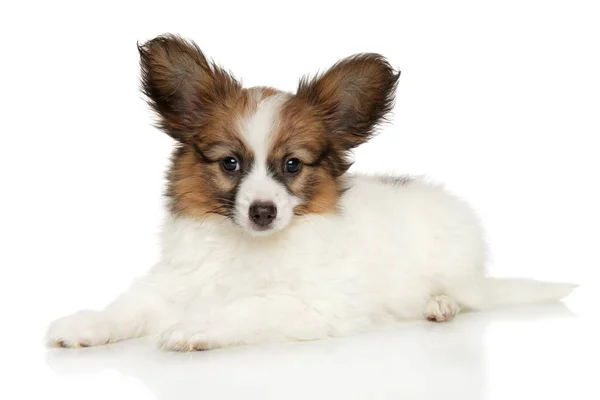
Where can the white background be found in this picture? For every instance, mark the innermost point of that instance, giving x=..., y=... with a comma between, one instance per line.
x=500, y=101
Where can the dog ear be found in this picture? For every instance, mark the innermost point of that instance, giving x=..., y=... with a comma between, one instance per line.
x=182, y=86
x=353, y=96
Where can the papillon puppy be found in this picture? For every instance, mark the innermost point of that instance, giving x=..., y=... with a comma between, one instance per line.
x=268, y=238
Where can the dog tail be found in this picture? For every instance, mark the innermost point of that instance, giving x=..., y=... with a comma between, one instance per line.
x=506, y=292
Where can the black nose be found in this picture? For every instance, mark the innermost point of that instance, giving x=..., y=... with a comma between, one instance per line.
x=262, y=214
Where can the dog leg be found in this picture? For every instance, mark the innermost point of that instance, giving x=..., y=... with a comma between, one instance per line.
x=258, y=319
x=135, y=313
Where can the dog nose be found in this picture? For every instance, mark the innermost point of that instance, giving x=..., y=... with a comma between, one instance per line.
x=262, y=214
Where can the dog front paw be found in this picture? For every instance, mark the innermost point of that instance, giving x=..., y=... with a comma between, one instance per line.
x=82, y=329
x=184, y=337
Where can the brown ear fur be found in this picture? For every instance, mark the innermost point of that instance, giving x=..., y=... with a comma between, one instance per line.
x=353, y=96
x=182, y=86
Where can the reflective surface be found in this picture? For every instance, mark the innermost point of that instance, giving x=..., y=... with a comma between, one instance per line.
x=495, y=355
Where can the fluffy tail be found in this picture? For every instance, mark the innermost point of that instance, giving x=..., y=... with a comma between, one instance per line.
x=500, y=292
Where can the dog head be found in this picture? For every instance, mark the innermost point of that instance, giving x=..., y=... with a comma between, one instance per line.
x=259, y=156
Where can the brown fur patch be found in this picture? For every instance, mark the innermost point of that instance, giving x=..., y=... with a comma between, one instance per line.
x=302, y=134
x=353, y=96
x=183, y=86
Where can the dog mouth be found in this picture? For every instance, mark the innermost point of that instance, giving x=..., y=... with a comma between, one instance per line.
x=258, y=230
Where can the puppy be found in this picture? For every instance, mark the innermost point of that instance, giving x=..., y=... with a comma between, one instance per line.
x=269, y=239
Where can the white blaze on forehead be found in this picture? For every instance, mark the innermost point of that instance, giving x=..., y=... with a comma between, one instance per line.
x=258, y=185
x=258, y=128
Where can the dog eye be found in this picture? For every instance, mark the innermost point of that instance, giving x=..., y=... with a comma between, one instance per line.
x=292, y=166
x=230, y=164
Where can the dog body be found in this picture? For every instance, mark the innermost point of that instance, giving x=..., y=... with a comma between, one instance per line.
x=386, y=257
x=268, y=238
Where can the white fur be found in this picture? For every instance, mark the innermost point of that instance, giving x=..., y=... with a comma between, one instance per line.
x=385, y=257
x=258, y=185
